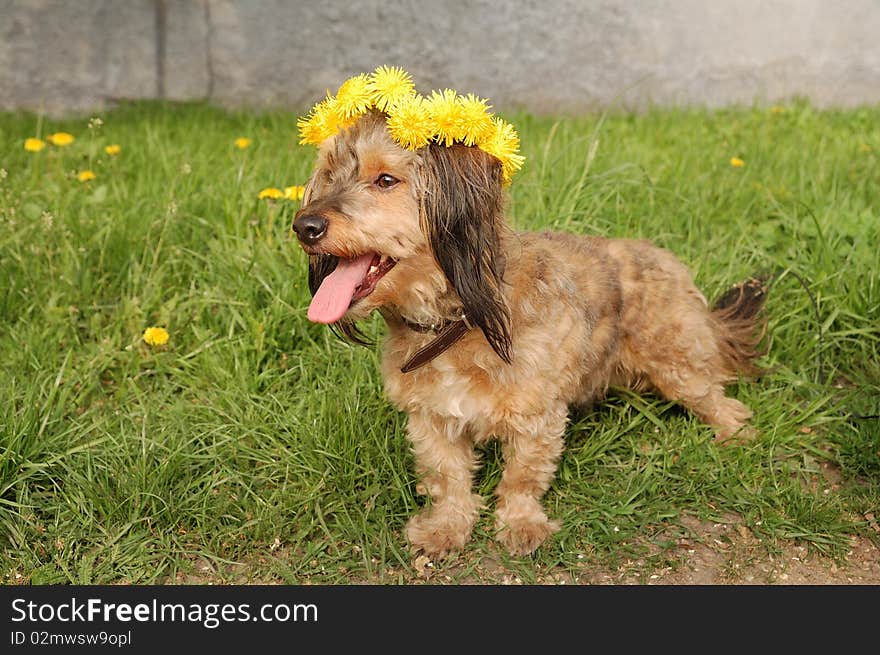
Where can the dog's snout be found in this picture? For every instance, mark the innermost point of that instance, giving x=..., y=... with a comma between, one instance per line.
x=310, y=228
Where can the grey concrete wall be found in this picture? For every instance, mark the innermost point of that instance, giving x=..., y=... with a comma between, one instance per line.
x=551, y=55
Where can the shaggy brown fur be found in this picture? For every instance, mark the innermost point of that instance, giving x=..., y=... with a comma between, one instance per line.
x=557, y=319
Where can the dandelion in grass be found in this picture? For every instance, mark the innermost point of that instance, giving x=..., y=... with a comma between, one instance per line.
x=34, y=145
x=61, y=139
x=294, y=192
x=864, y=147
x=86, y=176
x=777, y=109
x=270, y=193
x=156, y=336
x=242, y=143
x=113, y=149
x=736, y=162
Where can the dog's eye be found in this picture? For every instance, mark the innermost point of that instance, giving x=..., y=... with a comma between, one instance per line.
x=386, y=181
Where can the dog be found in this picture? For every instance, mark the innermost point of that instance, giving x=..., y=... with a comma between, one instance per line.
x=493, y=333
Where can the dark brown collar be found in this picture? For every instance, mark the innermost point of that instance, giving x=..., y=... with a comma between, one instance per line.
x=448, y=333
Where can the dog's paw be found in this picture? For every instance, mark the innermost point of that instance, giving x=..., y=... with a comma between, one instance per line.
x=735, y=435
x=438, y=534
x=522, y=535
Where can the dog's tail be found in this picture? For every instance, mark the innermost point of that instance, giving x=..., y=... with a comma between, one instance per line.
x=739, y=326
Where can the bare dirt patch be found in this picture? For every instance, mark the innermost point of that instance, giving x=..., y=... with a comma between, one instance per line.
x=729, y=553
x=722, y=553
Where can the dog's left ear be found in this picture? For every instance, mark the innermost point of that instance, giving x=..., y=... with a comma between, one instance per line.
x=461, y=206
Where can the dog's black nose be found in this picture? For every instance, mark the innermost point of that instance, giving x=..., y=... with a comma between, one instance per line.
x=310, y=228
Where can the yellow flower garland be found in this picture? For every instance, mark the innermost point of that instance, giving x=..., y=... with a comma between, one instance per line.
x=414, y=121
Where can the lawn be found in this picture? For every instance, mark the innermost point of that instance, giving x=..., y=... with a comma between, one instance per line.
x=255, y=446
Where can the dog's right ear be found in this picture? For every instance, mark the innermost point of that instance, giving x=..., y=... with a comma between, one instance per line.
x=461, y=211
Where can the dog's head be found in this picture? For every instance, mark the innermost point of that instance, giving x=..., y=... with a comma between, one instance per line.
x=379, y=222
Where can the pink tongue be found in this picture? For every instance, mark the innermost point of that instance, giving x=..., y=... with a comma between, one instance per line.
x=333, y=297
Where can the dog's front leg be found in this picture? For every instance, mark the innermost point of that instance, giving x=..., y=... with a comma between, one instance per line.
x=532, y=446
x=445, y=461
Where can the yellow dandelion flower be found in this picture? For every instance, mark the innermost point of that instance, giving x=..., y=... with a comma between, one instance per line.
x=113, y=149
x=294, y=192
x=503, y=143
x=270, y=192
x=60, y=139
x=409, y=123
x=736, y=162
x=413, y=121
x=353, y=98
x=34, y=145
x=447, y=115
x=322, y=123
x=156, y=336
x=310, y=128
x=777, y=109
x=85, y=176
x=864, y=147
x=389, y=85
x=242, y=142
x=476, y=119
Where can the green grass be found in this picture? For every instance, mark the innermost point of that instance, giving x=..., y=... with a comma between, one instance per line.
x=255, y=437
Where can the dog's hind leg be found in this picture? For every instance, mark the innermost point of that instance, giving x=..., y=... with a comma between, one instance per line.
x=709, y=350
x=683, y=364
x=531, y=446
x=705, y=397
x=446, y=461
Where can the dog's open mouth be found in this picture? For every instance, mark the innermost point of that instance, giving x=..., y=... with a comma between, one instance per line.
x=351, y=280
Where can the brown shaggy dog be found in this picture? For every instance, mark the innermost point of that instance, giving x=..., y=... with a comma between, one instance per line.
x=493, y=333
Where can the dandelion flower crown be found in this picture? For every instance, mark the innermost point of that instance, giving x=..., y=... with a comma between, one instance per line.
x=413, y=120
